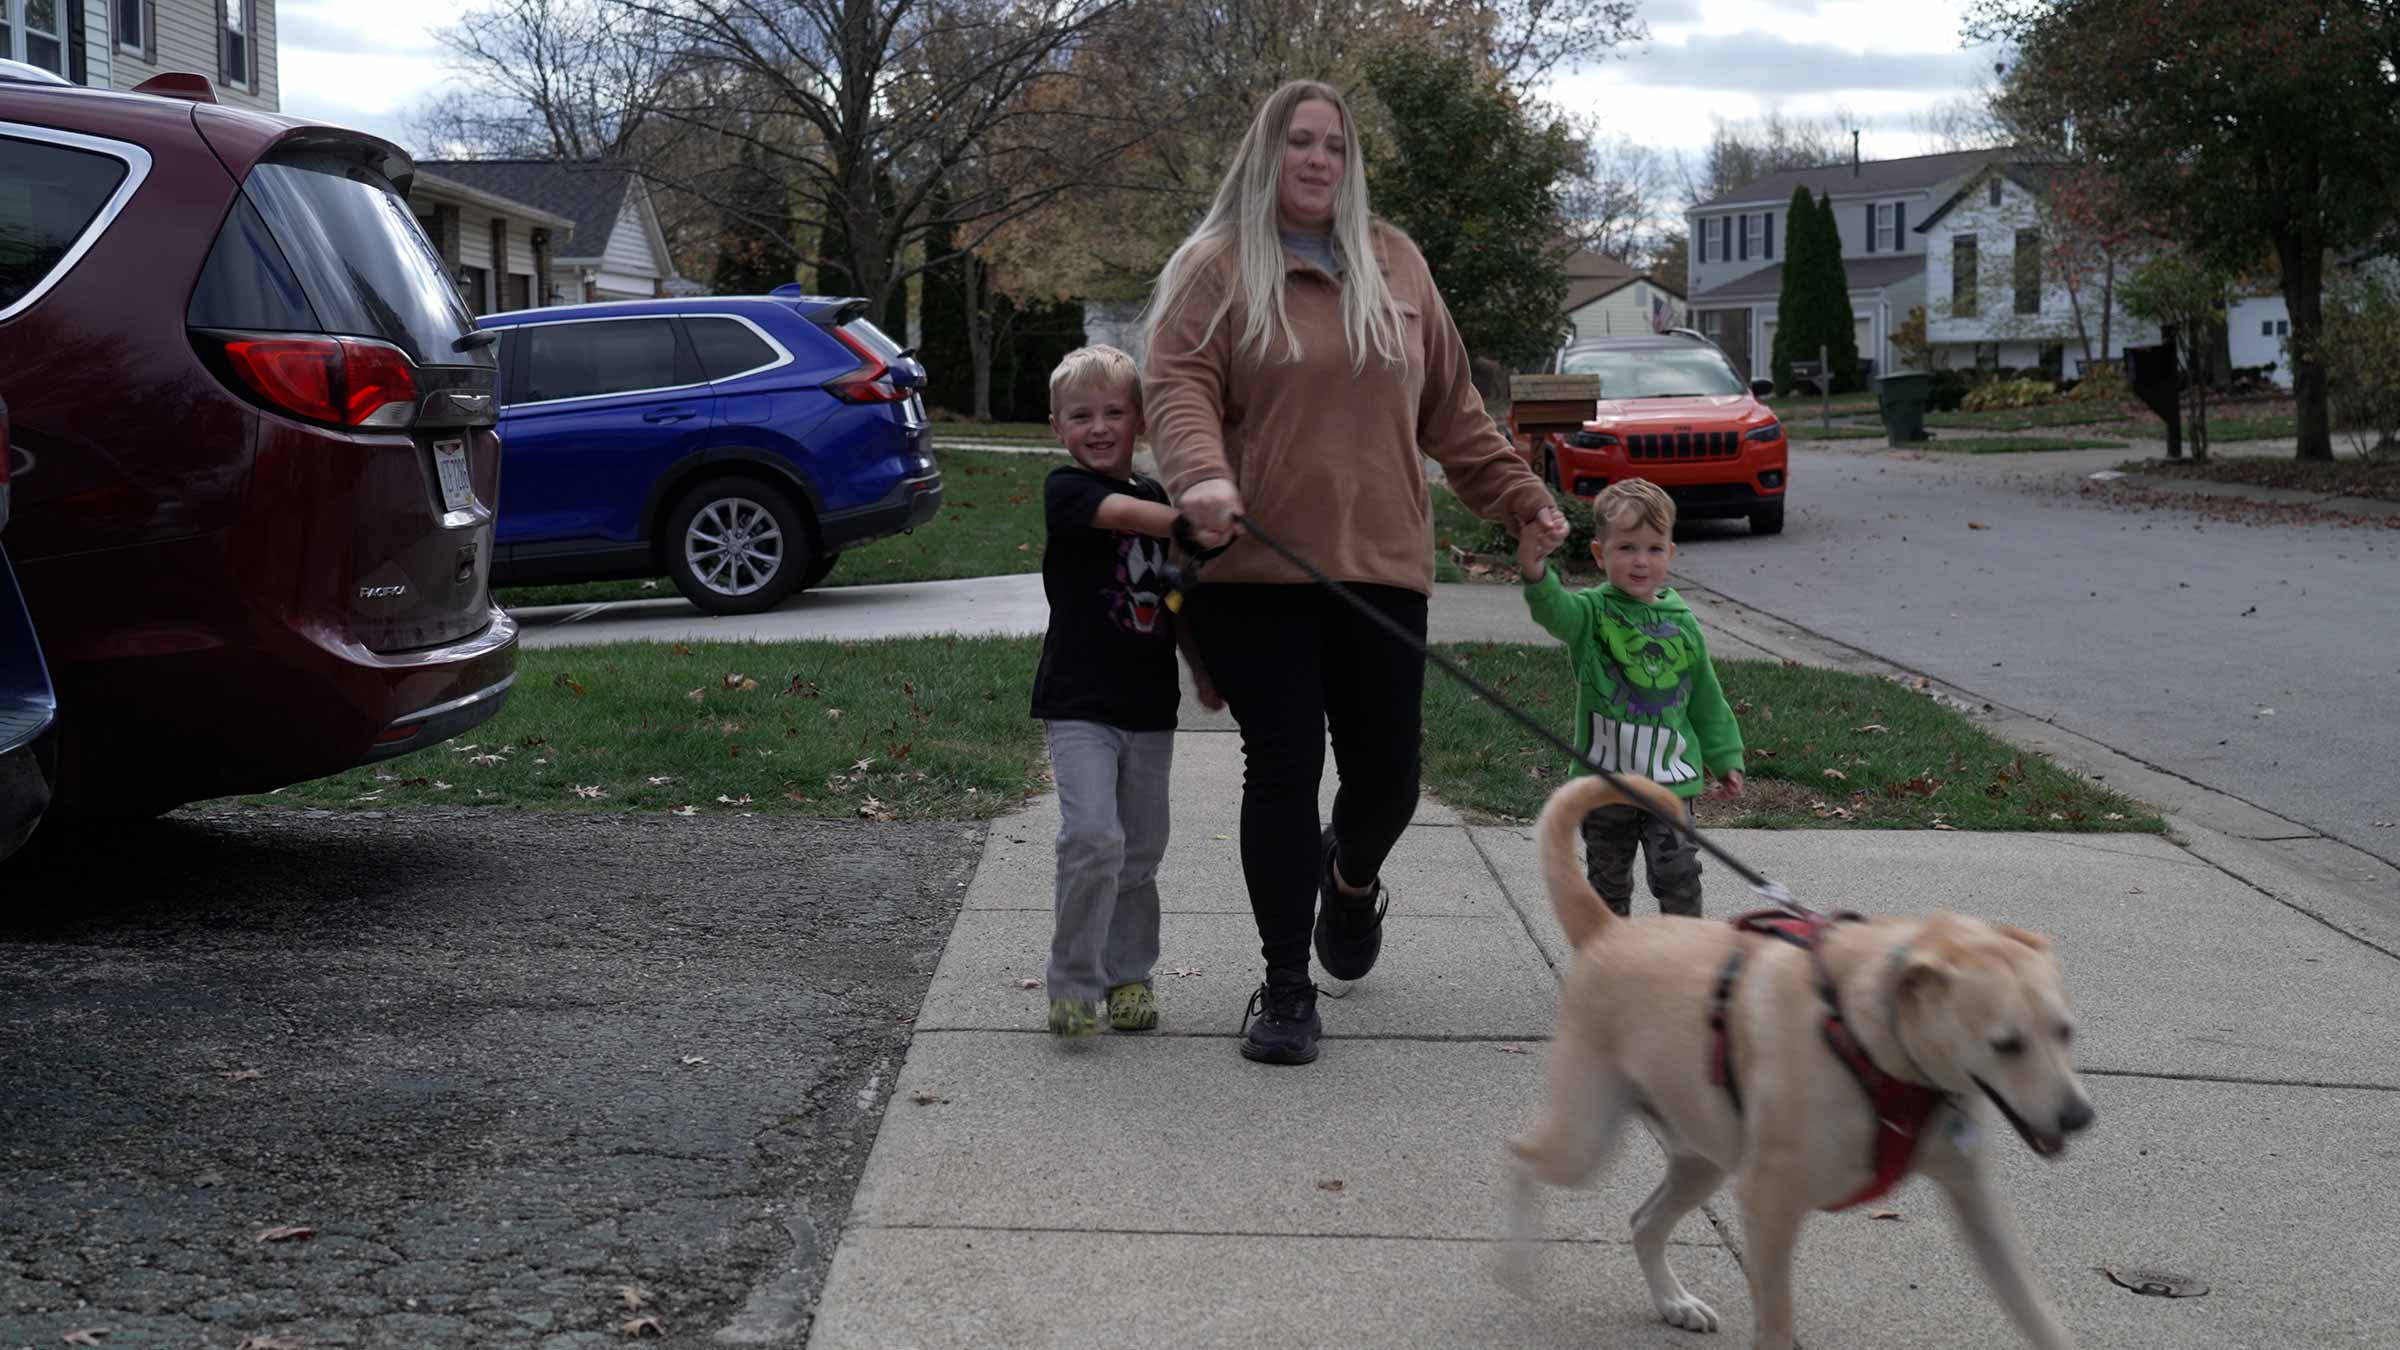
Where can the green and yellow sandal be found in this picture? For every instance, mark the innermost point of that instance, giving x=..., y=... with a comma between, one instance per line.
x=1074, y=1017
x=1132, y=1007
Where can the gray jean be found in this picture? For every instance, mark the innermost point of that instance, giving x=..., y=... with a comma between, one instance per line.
x=1610, y=836
x=1112, y=830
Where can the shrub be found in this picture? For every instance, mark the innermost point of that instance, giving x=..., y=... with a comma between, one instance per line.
x=1949, y=390
x=1998, y=394
x=2101, y=384
x=1496, y=541
x=2360, y=348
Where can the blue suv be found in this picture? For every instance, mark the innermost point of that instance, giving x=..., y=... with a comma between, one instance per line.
x=735, y=444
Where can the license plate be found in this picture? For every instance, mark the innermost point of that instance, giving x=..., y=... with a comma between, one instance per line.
x=450, y=461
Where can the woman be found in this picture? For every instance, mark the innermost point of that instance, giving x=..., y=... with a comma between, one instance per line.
x=1299, y=363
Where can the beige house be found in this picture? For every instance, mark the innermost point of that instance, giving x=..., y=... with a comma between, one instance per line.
x=499, y=252
x=618, y=251
x=117, y=44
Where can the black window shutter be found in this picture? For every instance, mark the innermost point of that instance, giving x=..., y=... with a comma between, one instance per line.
x=1870, y=227
x=1900, y=227
x=1704, y=239
x=1744, y=244
x=74, y=36
x=1769, y=221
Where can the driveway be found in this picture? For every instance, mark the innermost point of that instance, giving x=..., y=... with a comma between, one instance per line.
x=494, y=1068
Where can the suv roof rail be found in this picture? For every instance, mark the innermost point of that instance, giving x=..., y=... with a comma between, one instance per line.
x=20, y=72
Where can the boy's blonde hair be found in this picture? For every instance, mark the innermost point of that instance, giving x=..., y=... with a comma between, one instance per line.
x=1095, y=367
x=1634, y=503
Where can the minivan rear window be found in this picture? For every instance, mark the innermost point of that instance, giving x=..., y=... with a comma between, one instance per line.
x=49, y=197
x=364, y=264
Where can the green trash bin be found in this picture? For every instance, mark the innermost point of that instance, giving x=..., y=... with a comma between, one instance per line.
x=1902, y=398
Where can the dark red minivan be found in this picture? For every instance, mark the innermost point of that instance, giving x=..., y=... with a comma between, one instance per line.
x=255, y=462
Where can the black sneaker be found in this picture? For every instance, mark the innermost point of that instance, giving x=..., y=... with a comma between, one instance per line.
x=1281, y=1026
x=1349, y=927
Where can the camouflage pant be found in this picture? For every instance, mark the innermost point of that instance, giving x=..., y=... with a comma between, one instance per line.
x=1610, y=836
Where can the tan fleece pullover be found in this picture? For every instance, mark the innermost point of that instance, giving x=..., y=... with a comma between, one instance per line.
x=1327, y=459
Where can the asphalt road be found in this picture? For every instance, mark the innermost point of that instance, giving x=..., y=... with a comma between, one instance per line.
x=501, y=1065
x=2162, y=634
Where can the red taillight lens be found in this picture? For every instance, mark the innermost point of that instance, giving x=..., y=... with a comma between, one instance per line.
x=349, y=382
x=868, y=383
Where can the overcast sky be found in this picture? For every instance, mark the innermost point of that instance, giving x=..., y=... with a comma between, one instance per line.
x=1879, y=59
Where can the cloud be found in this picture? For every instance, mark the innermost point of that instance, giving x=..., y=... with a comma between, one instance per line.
x=332, y=27
x=1764, y=64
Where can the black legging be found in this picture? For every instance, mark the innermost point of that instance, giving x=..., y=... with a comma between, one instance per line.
x=1291, y=660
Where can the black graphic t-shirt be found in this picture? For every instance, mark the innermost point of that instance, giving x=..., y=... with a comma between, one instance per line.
x=1110, y=652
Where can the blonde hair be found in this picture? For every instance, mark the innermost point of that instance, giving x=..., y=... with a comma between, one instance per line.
x=1242, y=223
x=1639, y=498
x=1095, y=366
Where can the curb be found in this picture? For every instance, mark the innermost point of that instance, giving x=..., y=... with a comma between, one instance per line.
x=2337, y=884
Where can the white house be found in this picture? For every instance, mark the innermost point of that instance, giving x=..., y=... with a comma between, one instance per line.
x=501, y=253
x=1737, y=241
x=618, y=251
x=1993, y=299
x=2258, y=326
x=117, y=44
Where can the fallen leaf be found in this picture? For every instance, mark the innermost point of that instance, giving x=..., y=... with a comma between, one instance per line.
x=85, y=1336
x=681, y=650
x=743, y=800
x=661, y=779
x=1023, y=548
x=1029, y=984
x=2056, y=816
x=440, y=786
x=928, y=1099
x=1511, y=1049
x=2114, y=815
x=1220, y=836
x=799, y=796
x=740, y=683
x=689, y=1060
x=2135, y=890
x=699, y=695
x=1977, y=525
x=644, y=1325
x=833, y=714
x=1891, y=1214
x=570, y=684
x=1837, y=773
x=483, y=761
x=1940, y=826
x=286, y=1234
x=265, y=1342
x=874, y=809
x=244, y=1075
x=1184, y=972
x=634, y=1297
x=2266, y=712
x=861, y=766
x=590, y=792
x=650, y=585
x=1334, y=1186
x=685, y=811
x=1873, y=729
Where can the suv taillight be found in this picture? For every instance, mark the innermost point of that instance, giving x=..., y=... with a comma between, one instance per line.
x=871, y=382
x=345, y=381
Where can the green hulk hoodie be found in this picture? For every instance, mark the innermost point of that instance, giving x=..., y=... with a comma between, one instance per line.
x=1645, y=692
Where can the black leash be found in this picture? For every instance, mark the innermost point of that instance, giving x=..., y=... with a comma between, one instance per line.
x=1772, y=891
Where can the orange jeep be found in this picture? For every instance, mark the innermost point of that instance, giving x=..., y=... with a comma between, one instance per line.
x=1672, y=410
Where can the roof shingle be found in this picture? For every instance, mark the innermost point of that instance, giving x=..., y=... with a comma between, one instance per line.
x=590, y=194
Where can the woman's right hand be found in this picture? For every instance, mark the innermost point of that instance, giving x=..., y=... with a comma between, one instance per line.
x=1211, y=505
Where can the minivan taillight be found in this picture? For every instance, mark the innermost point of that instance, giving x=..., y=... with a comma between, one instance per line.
x=871, y=382
x=349, y=382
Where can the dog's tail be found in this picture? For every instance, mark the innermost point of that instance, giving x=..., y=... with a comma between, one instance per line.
x=1580, y=910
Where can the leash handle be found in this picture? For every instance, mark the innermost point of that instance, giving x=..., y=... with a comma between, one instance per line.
x=1758, y=882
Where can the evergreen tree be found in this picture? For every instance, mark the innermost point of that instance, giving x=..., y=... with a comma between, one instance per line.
x=1840, y=332
x=1793, y=325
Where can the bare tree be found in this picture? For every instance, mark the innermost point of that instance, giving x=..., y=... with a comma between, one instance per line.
x=1745, y=151
x=547, y=79
x=1614, y=204
x=1530, y=40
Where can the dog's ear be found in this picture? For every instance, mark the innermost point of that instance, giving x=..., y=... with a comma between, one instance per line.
x=2030, y=939
x=1923, y=973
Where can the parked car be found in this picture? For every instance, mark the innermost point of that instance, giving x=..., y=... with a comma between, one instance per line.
x=1672, y=410
x=734, y=444
x=256, y=464
x=28, y=706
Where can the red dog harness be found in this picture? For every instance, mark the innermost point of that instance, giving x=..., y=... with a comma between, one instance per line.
x=1901, y=1107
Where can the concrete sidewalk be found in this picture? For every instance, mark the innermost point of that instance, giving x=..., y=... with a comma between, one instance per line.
x=1161, y=1190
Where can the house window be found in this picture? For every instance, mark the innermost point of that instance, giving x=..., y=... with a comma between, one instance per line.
x=35, y=32
x=2029, y=271
x=2283, y=328
x=1992, y=194
x=133, y=32
x=237, y=53
x=2266, y=328
x=1962, y=276
x=1887, y=227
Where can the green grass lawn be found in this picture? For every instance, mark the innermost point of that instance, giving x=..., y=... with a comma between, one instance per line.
x=938, y=729
x=993, y=431
x=2014, y=445
x=1810, y=431
x=990, y=525
x=921, y=728
x=1803, y=405
x=1826, y=749
x=2036, y=418
x=2227, y=430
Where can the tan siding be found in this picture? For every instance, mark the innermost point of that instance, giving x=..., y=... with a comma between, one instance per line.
x=187, y=41
x=629, y=243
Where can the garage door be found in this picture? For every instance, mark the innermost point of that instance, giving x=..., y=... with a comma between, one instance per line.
x=1865, y=329
x=1766, y=350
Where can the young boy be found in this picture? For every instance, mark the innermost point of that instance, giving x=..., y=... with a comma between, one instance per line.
x=1646, y=697
x=1106, y=693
